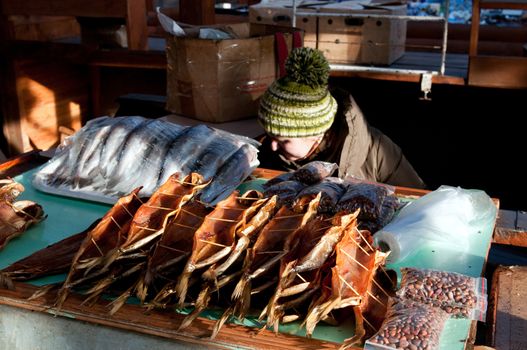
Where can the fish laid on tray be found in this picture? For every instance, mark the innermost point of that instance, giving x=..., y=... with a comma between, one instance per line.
x=109, y=157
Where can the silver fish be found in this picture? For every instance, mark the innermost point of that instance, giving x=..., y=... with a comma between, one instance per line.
x=213, y=157
x=112, y=145
x=142, y=156
x=186, y=146
x=231, y=174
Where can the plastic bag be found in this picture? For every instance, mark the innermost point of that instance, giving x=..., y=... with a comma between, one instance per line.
x=447, y=216
x=366, y=197
x=459, y=295
x=285, y=190
x=409, y=325
x=313, y=172
x=331, y=189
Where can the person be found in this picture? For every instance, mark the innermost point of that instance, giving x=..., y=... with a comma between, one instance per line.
x=305, y=122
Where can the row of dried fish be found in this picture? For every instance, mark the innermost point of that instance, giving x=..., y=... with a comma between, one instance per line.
x=112, y=156
x=376, y=202
x=292, y=261
x=16, y=216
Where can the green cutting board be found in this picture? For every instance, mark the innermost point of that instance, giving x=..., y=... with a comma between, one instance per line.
x=67, y=216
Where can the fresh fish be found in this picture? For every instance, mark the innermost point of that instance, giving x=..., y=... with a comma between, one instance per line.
x=88, y=157
x=140, y=154
x=186, y=146
x=231, y=174
x=112, y=145
x=215, y=155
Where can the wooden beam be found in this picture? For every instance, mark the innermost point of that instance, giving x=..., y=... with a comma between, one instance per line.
x=474, y=29
x=498, y=71
x=136, y=27
x=93, y=8
x=197, y=11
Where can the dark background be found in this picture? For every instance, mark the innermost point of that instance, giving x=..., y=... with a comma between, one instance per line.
x=465, y=136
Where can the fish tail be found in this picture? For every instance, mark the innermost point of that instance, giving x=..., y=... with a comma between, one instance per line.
x=120, y=301
x=201, y=304
x=6, y=281
x=221, y=321
x=94, y=292
x=43, y=291
x=61, y=297
x=163, y=295
x=141, y=289
x=317, y=313
x=242, y=295
x=182, y=287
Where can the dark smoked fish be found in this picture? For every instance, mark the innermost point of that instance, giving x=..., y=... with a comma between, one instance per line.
x=54, y=259
x=108, y=234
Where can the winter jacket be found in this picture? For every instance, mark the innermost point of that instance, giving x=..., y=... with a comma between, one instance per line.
x=360, y=150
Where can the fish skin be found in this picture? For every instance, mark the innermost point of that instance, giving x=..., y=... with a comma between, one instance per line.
x=51, y=171
x=141, y=156
x=230, y=175
x=215, y=155
x=182, y=148
x=113, y=143
x=88, y=158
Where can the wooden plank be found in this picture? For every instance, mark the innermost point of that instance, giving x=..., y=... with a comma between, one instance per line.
x=474, y=28
x=504, y=4
x=136, y=28
x=93, y=8
x=511, y=228
x=197, y=11
x=507, y=308
x=160, y=323
x=498, y=72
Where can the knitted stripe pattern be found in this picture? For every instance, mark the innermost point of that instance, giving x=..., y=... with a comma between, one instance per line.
x=290, y=109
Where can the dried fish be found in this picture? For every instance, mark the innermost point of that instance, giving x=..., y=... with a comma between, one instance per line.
x=314, y=172
x=174, y=246
x=213, y=240
x=300, y=269
x=108, y=234
x=269, y=248
x=351, y=277
x=331, y=189
x=54, y=259
x=366, y=197
x=16, y=217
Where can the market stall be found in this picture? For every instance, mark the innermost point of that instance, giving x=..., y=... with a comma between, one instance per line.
x=66, y=216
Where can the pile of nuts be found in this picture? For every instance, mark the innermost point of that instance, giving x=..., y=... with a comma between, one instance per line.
x=455, y=293
x=409, y=326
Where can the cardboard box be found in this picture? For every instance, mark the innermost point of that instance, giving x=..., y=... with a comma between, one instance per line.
x=280, y=12
x=222, y=80
x=351, y=39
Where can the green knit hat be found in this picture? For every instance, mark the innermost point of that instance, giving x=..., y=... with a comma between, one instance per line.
x=299, y=104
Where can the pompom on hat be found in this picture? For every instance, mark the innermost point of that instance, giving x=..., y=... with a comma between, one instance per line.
x=299, y=104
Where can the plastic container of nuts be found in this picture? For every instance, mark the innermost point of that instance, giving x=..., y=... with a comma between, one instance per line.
x=459, y=295
x=409, y=326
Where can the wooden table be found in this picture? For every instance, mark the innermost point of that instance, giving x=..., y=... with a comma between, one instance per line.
x=158, y=323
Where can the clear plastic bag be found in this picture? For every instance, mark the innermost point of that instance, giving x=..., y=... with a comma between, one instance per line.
x=313, y=172
x=331, y=189
x=409, y=325
x=285, y=190
x=459, y=295
x=366, y=197
x=446, y=216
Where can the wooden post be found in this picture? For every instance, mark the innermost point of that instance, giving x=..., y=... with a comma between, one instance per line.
x=136, y=26
x=474, y=29
x=197, y=11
